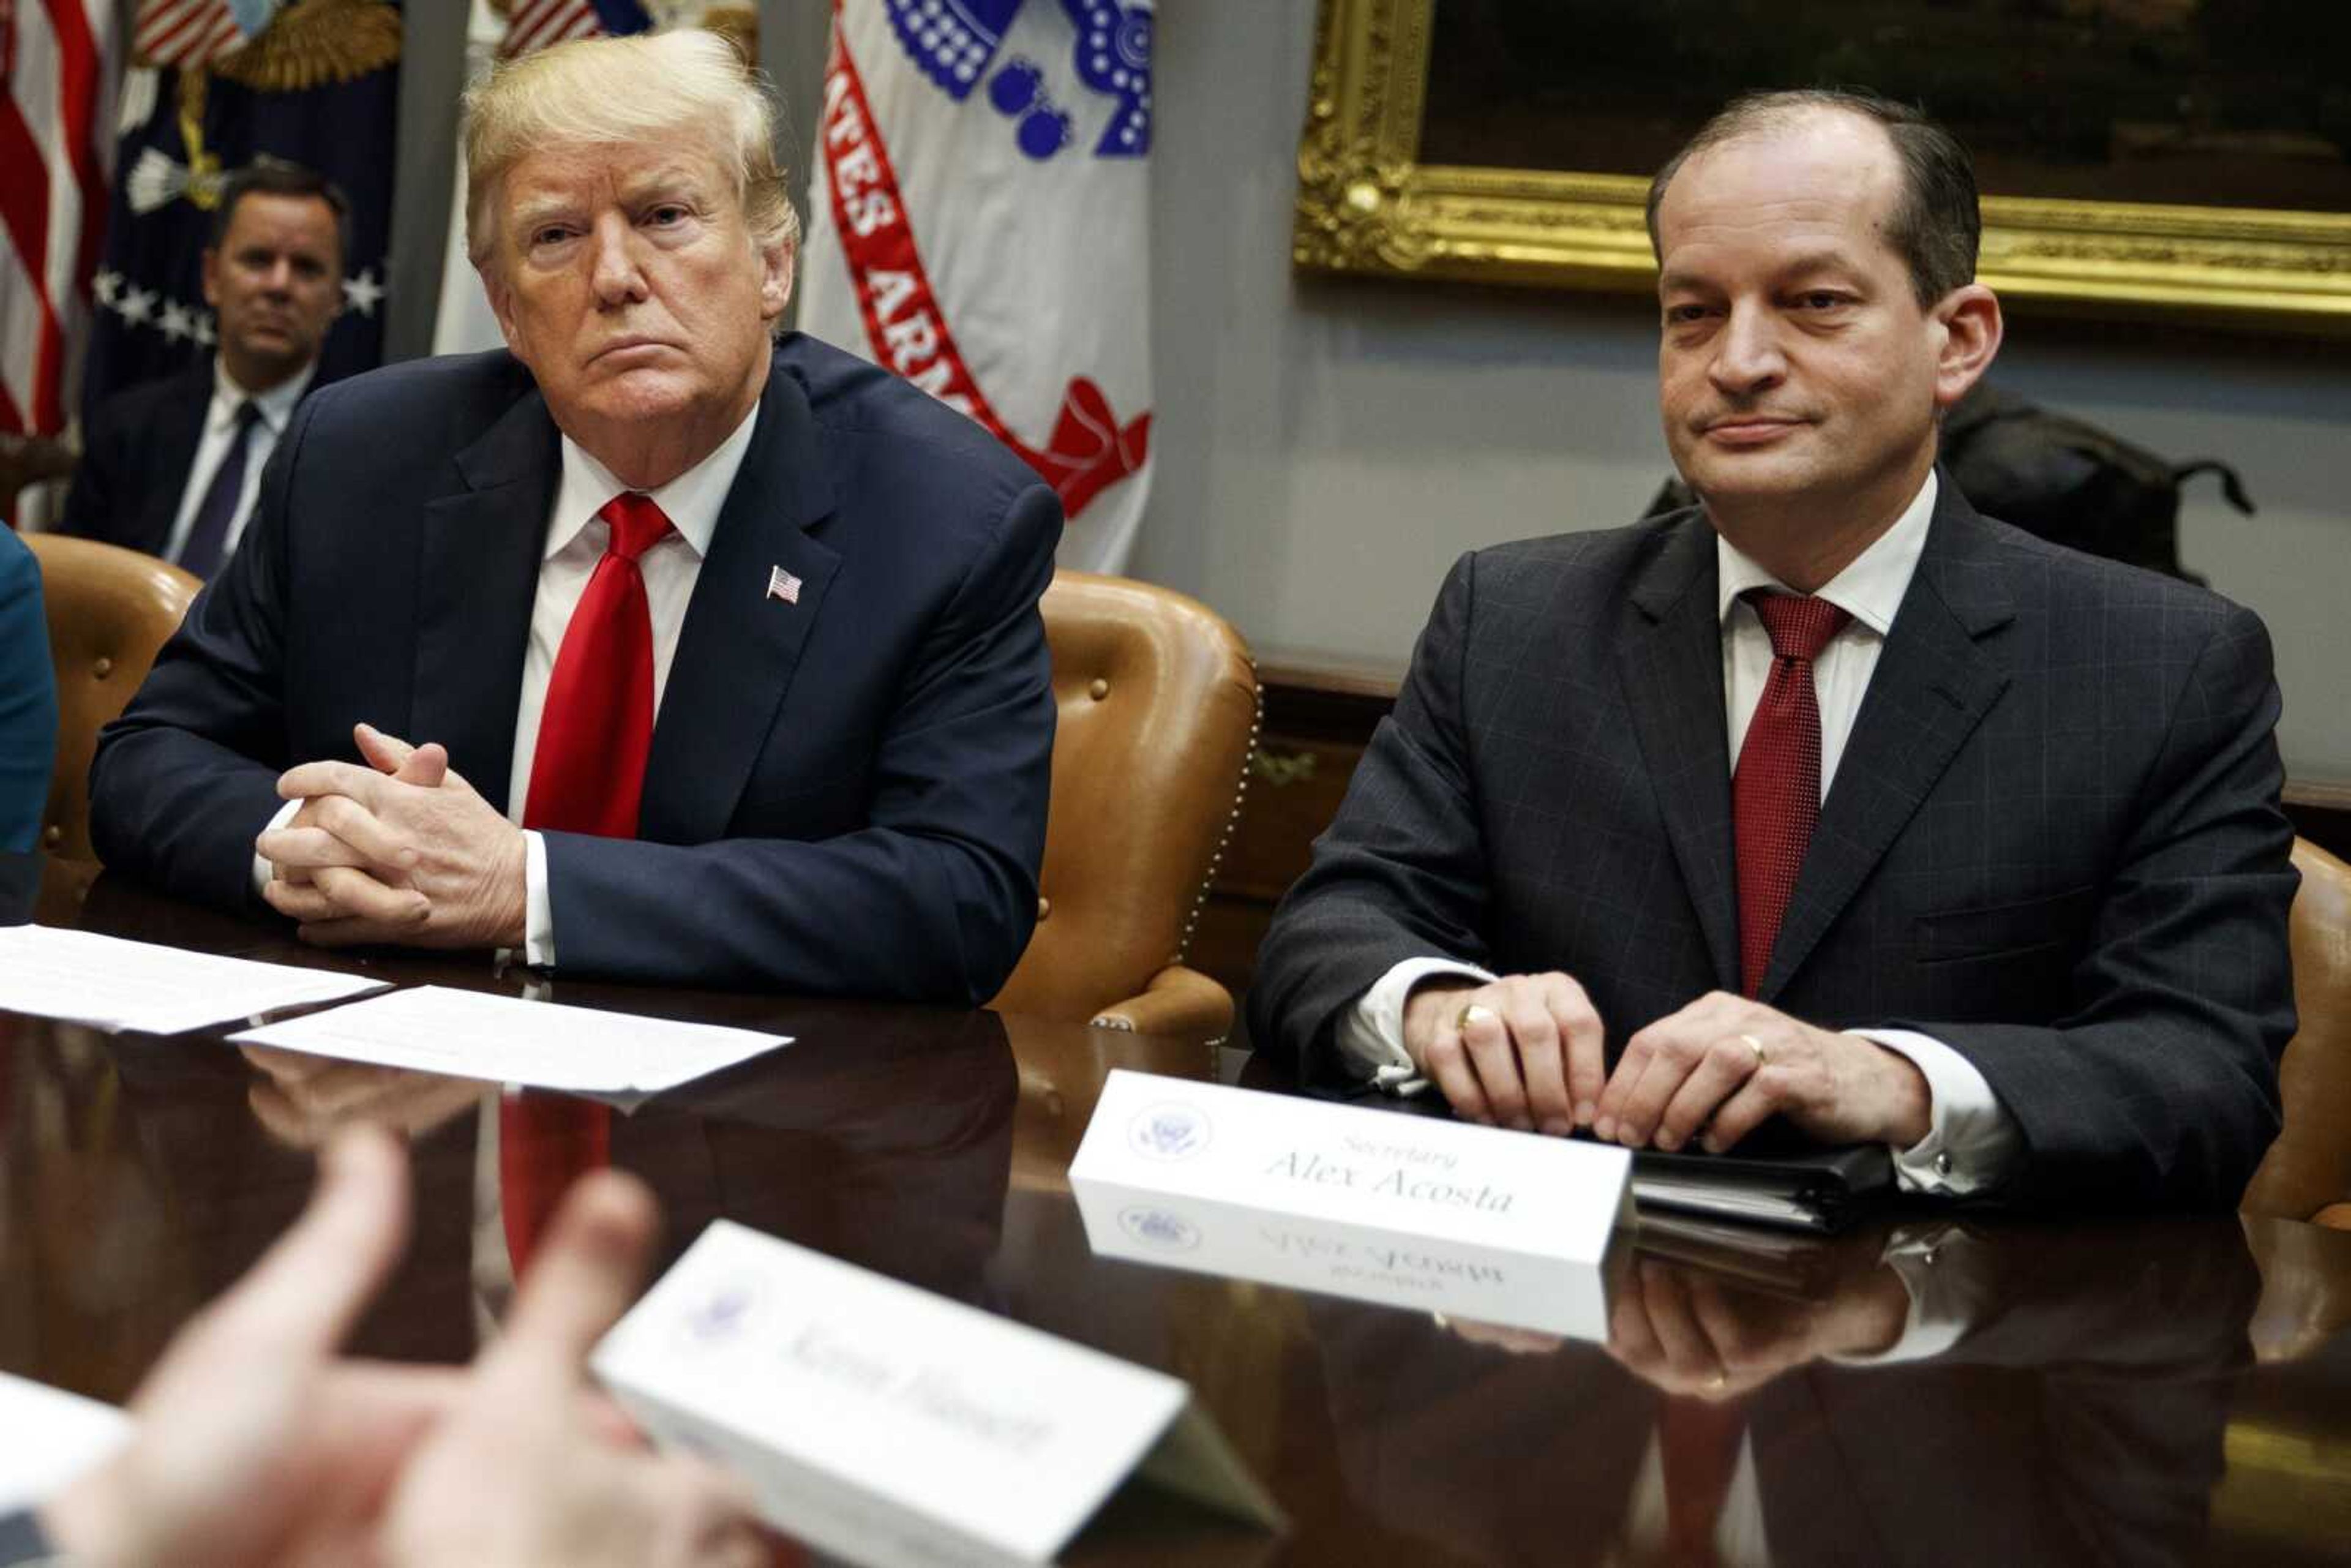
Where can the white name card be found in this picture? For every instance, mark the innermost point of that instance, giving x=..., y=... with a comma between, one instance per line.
x=882, y=1423
x=48, y=1436
x=1506, y=1228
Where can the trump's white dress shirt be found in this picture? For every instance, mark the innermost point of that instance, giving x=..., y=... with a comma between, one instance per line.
x=576, y=537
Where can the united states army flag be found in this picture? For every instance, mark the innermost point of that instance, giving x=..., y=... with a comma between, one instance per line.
x=981, y=223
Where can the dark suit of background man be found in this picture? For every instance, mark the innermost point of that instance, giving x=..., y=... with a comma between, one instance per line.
x=171, y=467
x=742, y=635
x=1999, y=880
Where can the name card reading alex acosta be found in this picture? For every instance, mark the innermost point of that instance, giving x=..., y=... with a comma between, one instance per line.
x=891, y=1426
x=1474, y=1222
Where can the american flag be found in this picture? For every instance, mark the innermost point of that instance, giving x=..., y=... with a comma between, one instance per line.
x=535, y=23
x=184, y=32
x=53, y=144
x=783, y=585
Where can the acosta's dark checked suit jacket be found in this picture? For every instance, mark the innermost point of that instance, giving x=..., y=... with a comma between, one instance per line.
x=2054, y=840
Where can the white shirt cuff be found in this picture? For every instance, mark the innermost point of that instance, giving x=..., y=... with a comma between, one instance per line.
x=1971, y=1141
x=1948, y=1296
x=1371, y=1033
x=538, y=912
x=262, y=869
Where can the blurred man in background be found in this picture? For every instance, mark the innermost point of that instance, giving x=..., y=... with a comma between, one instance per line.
x=171, y=467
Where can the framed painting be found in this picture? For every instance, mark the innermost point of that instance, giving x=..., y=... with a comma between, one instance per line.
x=2177, y=158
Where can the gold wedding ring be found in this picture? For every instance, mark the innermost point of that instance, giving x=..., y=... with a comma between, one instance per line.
x=1763, y=1057
x=1471, y=1014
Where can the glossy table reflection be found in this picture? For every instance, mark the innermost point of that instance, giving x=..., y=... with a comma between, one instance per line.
x=2173, y=1391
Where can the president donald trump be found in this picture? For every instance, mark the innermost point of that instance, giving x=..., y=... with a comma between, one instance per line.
x=653, y=646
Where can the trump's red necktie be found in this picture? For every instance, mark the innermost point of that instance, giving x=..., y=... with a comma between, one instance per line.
x=586, y=775
x=1775, y=792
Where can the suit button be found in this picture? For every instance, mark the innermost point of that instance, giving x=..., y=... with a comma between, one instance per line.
x=103, y=668
x=1099, y=690
x=52, y=836
x=1044, y=909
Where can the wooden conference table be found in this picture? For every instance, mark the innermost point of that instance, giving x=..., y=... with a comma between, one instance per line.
x=2150, y=1391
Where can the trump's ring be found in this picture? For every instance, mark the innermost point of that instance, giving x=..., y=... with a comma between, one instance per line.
x=1473, y=1013
x=1763, y=1057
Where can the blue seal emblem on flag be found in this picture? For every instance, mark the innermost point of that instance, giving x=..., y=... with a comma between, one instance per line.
x=951, y=40
x=955, y=42
x=1170, y=1131
x=1159, y=1229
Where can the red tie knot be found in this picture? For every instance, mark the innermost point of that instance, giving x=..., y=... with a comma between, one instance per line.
x=1800, y=625
x=637, y=522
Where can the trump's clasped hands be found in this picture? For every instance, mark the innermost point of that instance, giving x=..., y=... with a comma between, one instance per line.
x=400, y=850
x=1529, y=1051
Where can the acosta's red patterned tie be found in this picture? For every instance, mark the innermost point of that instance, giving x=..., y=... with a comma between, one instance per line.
x=1775, y=792
x=586, y=775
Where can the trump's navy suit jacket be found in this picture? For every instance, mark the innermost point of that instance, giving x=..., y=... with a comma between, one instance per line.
x=845, y=794
x=2054, y=840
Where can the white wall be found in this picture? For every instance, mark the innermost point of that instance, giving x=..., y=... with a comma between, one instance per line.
x=1325, y=448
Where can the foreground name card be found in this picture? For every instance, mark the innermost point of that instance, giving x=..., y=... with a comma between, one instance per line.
x=542, y=1045
x=894, y=1428
x=111, y=984
x=1474, y=1222
x=48, y=1436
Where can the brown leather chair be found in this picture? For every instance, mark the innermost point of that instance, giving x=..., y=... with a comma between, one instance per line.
x=1158, y=705
x=2307, y=1175
x=109, y=611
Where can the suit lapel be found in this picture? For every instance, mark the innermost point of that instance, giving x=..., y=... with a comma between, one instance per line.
x=740, y=646
x=1933, y=684
x=1670, y=661
x=478, y=576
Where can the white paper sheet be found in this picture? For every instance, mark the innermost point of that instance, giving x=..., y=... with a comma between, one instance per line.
x=542, y=1045
x=48, y=1436
x=111, y=984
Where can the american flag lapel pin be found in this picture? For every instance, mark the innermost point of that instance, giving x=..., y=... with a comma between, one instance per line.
x=783, y=585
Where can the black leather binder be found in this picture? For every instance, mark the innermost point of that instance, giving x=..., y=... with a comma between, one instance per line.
x=1768, y=1180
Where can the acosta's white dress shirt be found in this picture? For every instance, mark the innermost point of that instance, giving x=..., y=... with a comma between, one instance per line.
x=576, y=537
x=1971, y=1141
x=276, y=406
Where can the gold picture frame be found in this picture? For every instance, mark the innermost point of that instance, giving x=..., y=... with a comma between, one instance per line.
x=1366, y=205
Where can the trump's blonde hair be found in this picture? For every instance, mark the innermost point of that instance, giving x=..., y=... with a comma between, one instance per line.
x=644, y=88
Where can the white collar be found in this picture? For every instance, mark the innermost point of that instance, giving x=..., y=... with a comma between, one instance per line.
x=691, y=501
x=277, y=404
x=1869, y=589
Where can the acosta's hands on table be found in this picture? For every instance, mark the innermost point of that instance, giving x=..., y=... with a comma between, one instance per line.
x=257, y=1443
x=1528, y=1052
x=400, y=851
